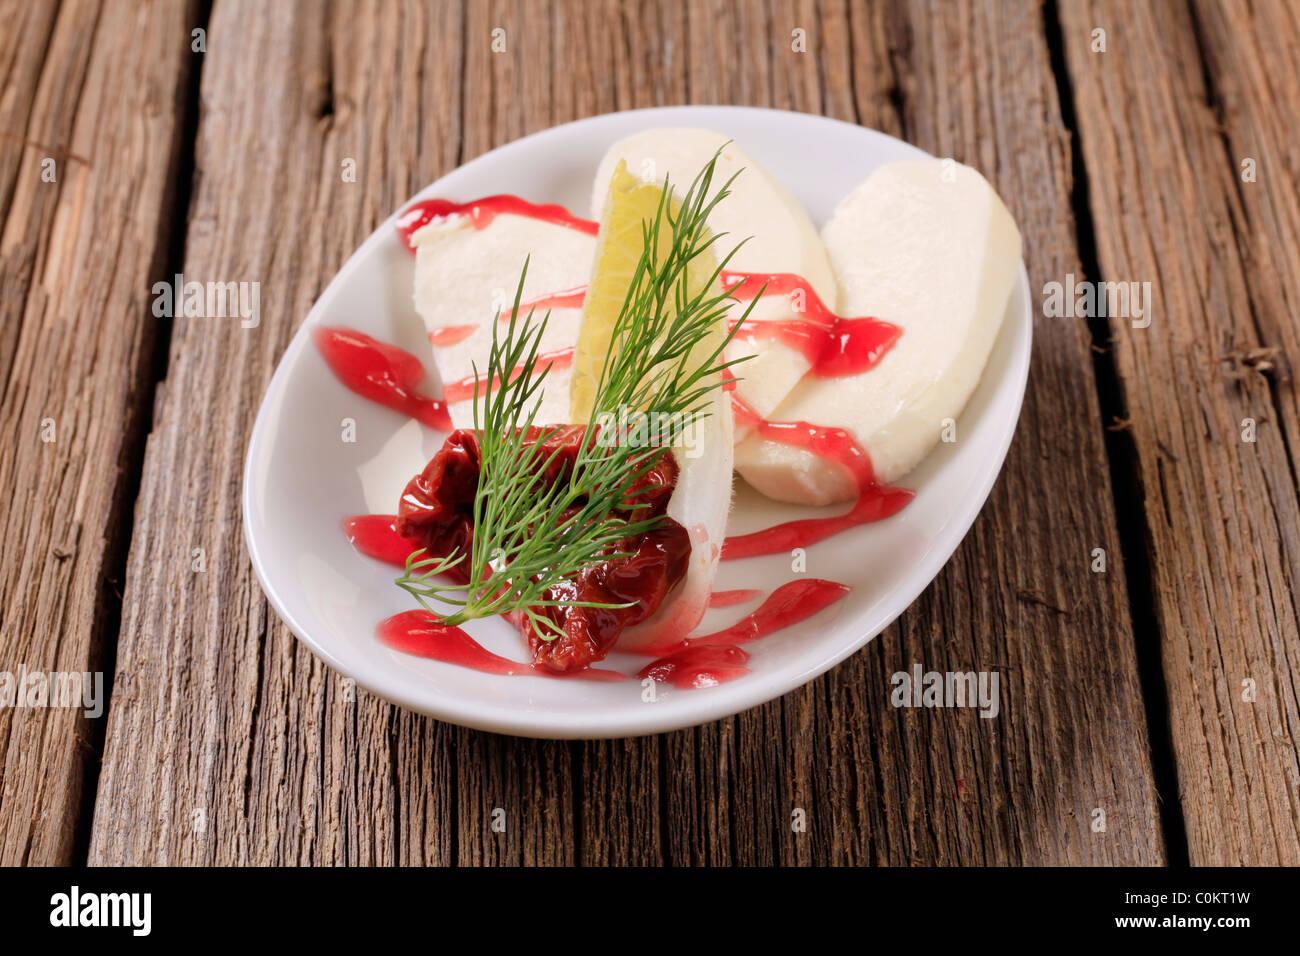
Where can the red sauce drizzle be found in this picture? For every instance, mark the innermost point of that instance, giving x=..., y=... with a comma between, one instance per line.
x=451, y=334
x=875, y=501
x=419, y=633
x=568, y=299
x=833, y=345
x=728, y=598
x=380, y=372
x=463, y=390
x=376, y=537
x=481, y=212
x=704, y=666
x=789, y=604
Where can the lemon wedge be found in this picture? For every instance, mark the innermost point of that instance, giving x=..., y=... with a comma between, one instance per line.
x=630, y=205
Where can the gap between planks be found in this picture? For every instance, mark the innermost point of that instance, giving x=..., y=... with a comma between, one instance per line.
x=1125, y=482
x=181, y=181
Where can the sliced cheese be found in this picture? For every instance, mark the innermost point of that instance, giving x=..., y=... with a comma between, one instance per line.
x=928, y=246
x=465, y=280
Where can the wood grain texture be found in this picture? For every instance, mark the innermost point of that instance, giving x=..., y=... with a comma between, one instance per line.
x=973, y=81
x=95, y=91
x=888, y=786
x=1163, y=132
x=251, y=747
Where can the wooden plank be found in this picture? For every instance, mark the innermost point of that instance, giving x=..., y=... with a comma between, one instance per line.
x=25, y=37
x=1249, y=49
x=228, y=716
x=891, y=786
x=96, y=91
x=254, y=751
x=1223, y=519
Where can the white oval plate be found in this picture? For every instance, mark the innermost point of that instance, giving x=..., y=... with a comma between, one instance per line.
x=302, y=479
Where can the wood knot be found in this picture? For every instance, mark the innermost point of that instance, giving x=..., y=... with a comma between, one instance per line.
x=1266, y=360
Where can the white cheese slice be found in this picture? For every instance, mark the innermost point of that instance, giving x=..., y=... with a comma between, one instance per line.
x=928, y=246
x=780, y=237
x=466, y=278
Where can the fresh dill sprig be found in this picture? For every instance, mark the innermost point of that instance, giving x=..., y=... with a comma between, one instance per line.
x=664, y=358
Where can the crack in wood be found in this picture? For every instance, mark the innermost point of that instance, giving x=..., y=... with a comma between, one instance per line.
x=1125, y=479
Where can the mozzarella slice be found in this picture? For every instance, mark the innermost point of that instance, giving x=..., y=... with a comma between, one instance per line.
x=780, y=239
x=465, y=280
x=928, y=246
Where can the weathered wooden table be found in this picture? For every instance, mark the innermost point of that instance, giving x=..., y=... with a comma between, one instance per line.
x=1149, y=711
